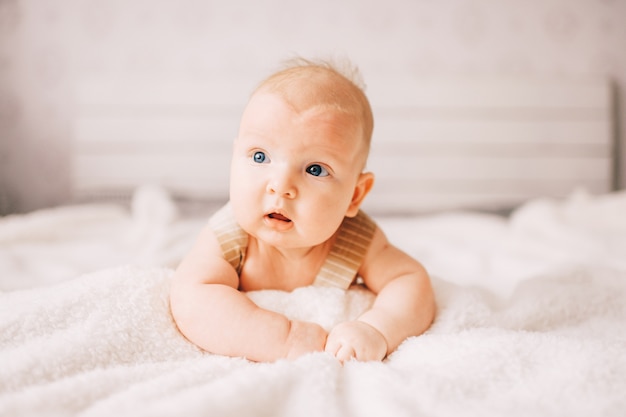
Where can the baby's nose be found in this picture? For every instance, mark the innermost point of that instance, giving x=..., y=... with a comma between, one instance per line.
x=282, y=186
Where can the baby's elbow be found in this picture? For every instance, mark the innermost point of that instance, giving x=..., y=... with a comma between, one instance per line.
x=180, y=307
x=423, y=305
x=432, y=311
x=427, y=313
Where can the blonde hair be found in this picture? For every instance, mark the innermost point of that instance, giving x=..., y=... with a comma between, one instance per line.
x=339, y=85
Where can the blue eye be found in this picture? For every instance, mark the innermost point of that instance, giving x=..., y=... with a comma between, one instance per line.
x=317, y=170
x=259, y=157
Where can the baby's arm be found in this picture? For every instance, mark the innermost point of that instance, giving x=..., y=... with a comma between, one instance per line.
x=213, y=314
x=404, y=305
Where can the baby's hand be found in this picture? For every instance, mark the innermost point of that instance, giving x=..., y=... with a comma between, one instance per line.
x=356, y=339
x=305, y=337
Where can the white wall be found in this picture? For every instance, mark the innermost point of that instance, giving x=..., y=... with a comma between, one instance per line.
x=47, y=48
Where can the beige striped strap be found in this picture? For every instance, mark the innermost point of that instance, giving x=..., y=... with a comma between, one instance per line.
x=233, y=240
x=346, y=256
x=341, y=265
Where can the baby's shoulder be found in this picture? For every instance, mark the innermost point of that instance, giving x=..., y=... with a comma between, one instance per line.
x=232, y=239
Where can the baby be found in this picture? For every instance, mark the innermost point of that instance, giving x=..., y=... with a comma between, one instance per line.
x=293, y=220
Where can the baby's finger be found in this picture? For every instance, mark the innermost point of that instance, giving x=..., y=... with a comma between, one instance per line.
x=345, y=353
x=332, y=347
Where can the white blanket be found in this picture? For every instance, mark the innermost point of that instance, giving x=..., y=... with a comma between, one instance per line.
x=531, y=321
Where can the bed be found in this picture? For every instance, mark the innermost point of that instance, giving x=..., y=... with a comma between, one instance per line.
x=503, y=189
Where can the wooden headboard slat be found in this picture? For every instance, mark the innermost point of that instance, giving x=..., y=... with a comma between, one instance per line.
x=438, y=143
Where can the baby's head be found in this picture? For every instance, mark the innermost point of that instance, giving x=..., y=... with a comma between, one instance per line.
x=298, y=160
x=305, y=84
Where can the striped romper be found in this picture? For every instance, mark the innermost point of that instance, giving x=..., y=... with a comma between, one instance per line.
x=341, y=265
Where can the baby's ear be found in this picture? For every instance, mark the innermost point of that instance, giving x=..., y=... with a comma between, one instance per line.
x=363, y=187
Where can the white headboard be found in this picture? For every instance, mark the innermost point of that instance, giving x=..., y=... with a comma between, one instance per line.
x=438, y=143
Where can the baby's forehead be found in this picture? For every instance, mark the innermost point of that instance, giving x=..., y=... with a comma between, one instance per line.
x=266, y=106
x=308, y=87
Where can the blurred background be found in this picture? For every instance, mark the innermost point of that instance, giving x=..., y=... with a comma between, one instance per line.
x=48, y=48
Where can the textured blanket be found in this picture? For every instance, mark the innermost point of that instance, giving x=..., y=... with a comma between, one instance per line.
x=531, y=321
x=105, y=344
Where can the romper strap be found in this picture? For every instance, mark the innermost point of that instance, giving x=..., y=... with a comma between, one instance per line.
x=346, y=255
x=233, y=240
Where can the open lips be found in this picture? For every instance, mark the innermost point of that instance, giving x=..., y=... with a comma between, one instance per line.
x=278, y=216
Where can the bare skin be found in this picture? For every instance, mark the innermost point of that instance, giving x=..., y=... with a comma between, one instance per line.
x=293, y=180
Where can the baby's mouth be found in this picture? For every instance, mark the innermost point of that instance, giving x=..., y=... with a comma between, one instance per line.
x=278, y=216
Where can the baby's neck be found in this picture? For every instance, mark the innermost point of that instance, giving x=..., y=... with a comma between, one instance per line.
x=271, y=267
